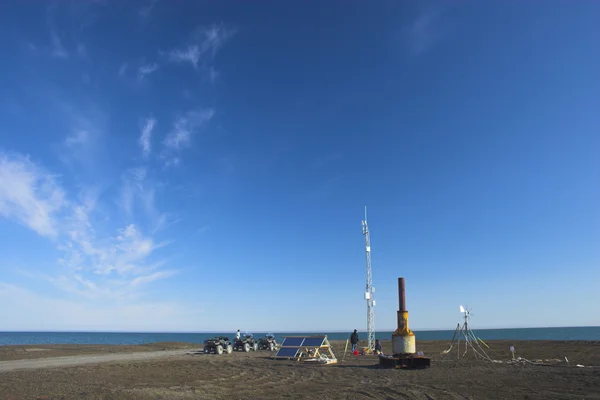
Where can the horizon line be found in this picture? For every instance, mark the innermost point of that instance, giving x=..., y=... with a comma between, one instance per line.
x=285, y=331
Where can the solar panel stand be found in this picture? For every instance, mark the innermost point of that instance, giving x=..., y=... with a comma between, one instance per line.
x=299, y=348
x=327, y=346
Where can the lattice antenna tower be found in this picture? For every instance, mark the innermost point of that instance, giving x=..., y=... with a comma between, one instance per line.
x=369, y=290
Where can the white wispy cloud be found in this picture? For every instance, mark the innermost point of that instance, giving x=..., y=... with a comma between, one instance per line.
x=185, y=126
x=147, y=10
x=57, y=48
x=138, y=188
x=426, y=30
x=152, y=277
x=106, y=267
x=91, y=264
x=81, y=50
x=205, y=43
x=212, y=38
x=78, y=137
x=165, y=220
x=190, y=54
x=133, y=180
x=124, y=254
x=88, y=195
x=29, y=195
x=145, y=139
x=171, y=161
x=85, y=146
x=123, y=69
x=147, y=70
x=213, y=75
x=180, y=136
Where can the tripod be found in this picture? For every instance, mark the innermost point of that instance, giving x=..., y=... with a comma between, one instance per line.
x=465, y=333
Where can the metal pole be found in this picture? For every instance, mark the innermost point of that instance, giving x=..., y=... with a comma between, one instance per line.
x=401, y=295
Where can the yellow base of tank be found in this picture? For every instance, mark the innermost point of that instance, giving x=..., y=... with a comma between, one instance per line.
x=403, y=340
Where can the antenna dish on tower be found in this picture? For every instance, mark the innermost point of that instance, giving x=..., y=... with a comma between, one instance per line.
x=462, y=309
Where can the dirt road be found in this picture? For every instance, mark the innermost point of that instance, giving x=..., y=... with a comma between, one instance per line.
x=53, y=362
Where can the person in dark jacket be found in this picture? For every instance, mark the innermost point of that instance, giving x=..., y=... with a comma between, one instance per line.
x=354, y=340
x=378, y=348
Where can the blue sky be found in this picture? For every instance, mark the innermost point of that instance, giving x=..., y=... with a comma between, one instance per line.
x=173, y=166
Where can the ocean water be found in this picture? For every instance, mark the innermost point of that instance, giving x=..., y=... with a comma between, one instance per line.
x=21, y=338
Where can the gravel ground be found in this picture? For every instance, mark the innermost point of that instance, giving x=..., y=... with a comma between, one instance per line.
x=178, y=373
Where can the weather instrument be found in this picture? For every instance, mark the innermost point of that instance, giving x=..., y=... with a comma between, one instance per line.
x=464, y=332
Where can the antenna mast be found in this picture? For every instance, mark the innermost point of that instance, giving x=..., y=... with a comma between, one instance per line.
x=370, y=290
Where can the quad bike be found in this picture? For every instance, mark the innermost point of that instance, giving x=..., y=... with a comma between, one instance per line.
x=245, y=343
x=218, y=345
x=267, y=343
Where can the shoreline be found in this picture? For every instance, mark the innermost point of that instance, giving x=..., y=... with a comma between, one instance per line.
x=135, y=338
x=430, y=347
x=290, y=331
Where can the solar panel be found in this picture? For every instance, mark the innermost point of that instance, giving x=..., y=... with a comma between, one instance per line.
x=295, y=346
x=292, y=341
x=287, y=352
x=313, y=341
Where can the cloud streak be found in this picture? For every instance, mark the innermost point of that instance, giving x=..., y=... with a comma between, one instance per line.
x=205, y=43
x=138, y=188
x=123, y=69
x=190, y=54
x=78, y=138
x=425, y=31
x=185, y=126
x=140, y=280
x=58, y=50
x=133, y=186
x=180, y=136
x=145, y=140
x=147, y=70
x=82, y=50
x=146, y=11
x=29, y=195
x=91, y=265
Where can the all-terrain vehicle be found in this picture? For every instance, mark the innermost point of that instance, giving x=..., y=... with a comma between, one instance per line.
x=218, y=345
x=267, y=343
x=245, y=343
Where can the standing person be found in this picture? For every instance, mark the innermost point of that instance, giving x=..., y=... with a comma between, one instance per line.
x=238, y=335
x=354, y=340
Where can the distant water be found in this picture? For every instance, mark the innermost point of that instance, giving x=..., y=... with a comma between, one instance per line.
x=15, y=338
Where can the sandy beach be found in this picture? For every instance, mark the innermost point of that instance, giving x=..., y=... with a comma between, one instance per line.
x=181, y=371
